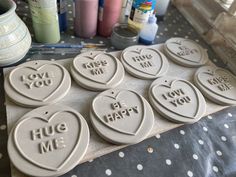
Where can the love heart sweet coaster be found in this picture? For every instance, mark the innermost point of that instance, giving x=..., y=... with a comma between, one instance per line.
x=82, y=103
x=177, y=100
x=48, y=141
x=144, y=62
x=185, y=52
x=37, y=83
x=217, y=84
x=121, y=116
x=97, y=70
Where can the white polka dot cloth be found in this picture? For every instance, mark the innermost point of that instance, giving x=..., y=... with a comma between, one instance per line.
x=204, y=149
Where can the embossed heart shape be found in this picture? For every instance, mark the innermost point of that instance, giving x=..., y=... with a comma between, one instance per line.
x=54, y=159
x=102, y=68
x=220, y=82
x=180, y=98
x=129, y=117
x=147, y=61
x=186, y=50
x=25, y=79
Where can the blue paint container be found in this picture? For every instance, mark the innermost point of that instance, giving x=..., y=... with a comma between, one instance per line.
x=62, y=14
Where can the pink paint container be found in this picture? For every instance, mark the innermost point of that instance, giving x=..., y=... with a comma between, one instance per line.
x=86, y=13
x=109, y=12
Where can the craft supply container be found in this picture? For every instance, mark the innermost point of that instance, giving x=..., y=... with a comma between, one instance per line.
x=15, y=39
x=124, y=36
x=45, y=20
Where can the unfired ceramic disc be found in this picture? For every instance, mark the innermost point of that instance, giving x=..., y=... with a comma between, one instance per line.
x=177, y=100
x=37, y=83
x=217, y=84
x=48, y=141
x=185, y=52
x=144, y=62
x=121, y=116
x=97, y=70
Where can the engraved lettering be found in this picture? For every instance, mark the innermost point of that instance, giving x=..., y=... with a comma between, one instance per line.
x=146, y=64
x=108, y=118
x=23, y=78
x=225, y=87
x=32, y=76
x=59, y=143
x=174, y=103
x=180, y=101
x=61, y=128
x=116, y=116
x=222, y=83
x=48, y=131
x=121, y=113
x=41, y=75
x=51, y=145
x=39, y=84
x=144, y=60
x=87, y=66
x=186, y=51
x=48, y=82
x=51, y=131
x=164, y=96
x=95, y=64
x=46, y=147
x=177, y=97
x=135, y=109
x=38, y=80
x=98, y=71
x=96, y=67
x=174, y=93
x=38, y=133
x=118, y=105
x=29, y=84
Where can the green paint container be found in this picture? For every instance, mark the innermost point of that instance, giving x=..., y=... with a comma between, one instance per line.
x=45, y=20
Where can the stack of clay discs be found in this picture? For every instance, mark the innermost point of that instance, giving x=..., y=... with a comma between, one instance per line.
x=48, y=141
x=97, y=70
x=217, y=84
x=144, y=62
x=37, y=83
x=121, y=116
x=185, y=52
x=177, y=100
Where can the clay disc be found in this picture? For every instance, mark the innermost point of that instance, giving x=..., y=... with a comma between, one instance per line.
x=144, y=62
x=121, y=116
x=48, y=141
x=37, y=83
x=217, y=84
x=185, y=52
x=97, y=70
x=177, y=100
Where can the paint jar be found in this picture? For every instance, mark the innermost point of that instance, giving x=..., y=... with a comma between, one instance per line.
x=125, y=11
x=45, y=20
x=86, y=14
x=140, y=12
x=109, y=13
x=124, y=36
x=148, y=33
x=161, y=8
x=62, y=14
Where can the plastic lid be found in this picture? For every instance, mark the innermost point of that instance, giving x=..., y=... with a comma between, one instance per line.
x=152, y=19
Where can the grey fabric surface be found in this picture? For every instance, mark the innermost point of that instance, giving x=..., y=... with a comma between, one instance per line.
x=204, y=149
